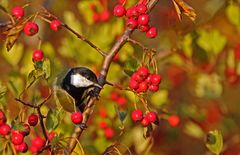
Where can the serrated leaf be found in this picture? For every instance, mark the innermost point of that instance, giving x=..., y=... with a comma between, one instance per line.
x=46, y=68
x=65, y=100
x=52, y=120
x=214, y=141
x=183, y=7
x=211, y=41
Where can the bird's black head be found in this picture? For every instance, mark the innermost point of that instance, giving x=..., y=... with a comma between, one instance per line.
x=77, y=81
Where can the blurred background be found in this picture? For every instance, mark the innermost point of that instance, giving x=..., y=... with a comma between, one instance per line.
x=199, y=63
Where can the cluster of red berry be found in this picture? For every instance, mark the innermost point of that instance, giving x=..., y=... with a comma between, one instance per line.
x=150, y=117
x=108, y=131
x=142, y=80
x=17, y=136
x=137, y=17
x=118, y=98
x=31, y=28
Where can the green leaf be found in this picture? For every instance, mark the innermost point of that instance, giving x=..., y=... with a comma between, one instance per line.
x=3, y=90
x=132, y=64
x=121, y=114
x=46, y=67
x=193, y=130
x=233, y=14
x=65, y=100
x=128, y=72
x=159, y=98
x=214, y=141
x=211, y=41
x=187, y=45
x=3, y=9
x=208, y=86
x=14, y=56
x=31, y=78
x=52, y=120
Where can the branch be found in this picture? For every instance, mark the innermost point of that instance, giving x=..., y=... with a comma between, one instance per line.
x=102, y=78
x=84, y=39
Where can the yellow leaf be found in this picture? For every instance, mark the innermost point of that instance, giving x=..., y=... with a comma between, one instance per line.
x=182, y=7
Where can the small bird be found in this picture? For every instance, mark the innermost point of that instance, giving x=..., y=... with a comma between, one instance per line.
x=79, y=83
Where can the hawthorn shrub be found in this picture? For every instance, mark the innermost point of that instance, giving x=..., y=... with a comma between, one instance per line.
x=146, y=77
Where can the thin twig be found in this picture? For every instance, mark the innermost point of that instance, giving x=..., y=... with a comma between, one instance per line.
x=84, y=39
x=25, y=103
x=141, y=45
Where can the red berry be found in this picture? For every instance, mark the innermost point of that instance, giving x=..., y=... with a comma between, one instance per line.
x=152, y=117
x=152, y=32
x=77, y=117
x=121, y=1
x=55, y=25
x=38, y=142
x=141, y=8
x=131, y=12
x=109, y=133
x=103, y=113
x=142, y=87
x=4, y=129
x=26, y=130
x=148, y=80
x=114, y=96
x=18, y=11
x=3, y=118
x=143, y=71
x=119, y=11
x=122, y=101
x=105, y=16
x=33, y=149
x=32, y=119
x=156, y=79
x=132, y=23
x=153, y=88
x=37, y=55
x=102, y=125
x=173, y=120
x=143, y=19
x=51, y=135
x=137, y=115
x=139, y=78
x=143, y=28
x=30, y=28
x=95, y=17
x=133, y=84
x=145, y=122
x=23, y=147
x=17, y=138
x=237, y=52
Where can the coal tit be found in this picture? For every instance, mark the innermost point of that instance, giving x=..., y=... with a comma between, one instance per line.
x=79, y=83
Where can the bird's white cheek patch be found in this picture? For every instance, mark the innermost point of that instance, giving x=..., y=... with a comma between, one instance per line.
x=79, y=81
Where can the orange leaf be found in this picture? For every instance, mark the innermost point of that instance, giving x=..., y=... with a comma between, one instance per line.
x=183, y=7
